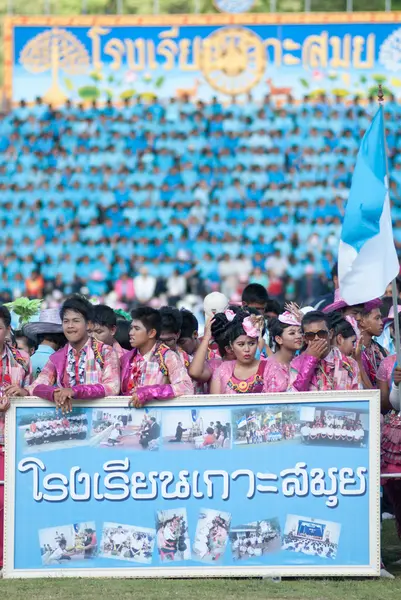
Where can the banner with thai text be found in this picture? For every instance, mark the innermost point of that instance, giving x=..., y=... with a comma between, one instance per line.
x=201, y=56
x=258, y=485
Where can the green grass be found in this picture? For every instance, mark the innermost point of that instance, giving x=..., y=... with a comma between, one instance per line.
x=220, y=589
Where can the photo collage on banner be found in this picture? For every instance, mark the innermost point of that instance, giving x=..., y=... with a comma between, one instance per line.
x=190, y=525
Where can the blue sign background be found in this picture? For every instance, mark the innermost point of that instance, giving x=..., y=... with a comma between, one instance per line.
x=304, y=58
x=351, y=514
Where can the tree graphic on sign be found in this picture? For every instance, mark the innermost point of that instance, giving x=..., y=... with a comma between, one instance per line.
x=55, y=50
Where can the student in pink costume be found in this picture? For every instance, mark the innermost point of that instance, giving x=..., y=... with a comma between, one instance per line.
x=322, y=367
x=151, y=371
x=105, y=328
x=371, y=325
x=388, y=378
x=246, y=373
x=286, y=335
x=205, y=361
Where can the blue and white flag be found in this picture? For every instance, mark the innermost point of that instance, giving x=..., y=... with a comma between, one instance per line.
x=194, y=414
x=241, y=422
x=367, y=260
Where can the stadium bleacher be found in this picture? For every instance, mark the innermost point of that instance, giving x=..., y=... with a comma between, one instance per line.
x=220, y=194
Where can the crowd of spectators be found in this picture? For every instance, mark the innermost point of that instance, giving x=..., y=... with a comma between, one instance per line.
x=178, y=196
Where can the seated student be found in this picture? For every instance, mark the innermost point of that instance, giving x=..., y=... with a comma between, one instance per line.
x=322, y=366
x=104, y=327
x=84, y=368
x=151, y=371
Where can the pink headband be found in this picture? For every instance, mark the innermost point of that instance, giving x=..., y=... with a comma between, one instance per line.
x=250, y=329
x=289, y=319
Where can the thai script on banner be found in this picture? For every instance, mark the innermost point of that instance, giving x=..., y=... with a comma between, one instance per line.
x=118, y=483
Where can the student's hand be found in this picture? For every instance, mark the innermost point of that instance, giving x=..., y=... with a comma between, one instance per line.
x=207, y=335
x=358, y=350
x=317, y=348
x=15, y=390
x=135, y=402
x=63, y=399
x=397, y=375
x=4, y=403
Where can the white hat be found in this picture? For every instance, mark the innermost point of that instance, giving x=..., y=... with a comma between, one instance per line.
x=49, y=322
x=216, y=302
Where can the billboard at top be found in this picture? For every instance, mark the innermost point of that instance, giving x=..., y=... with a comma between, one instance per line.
x=201, y=56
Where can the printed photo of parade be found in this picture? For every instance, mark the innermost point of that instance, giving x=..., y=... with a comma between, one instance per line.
x=46, y=429
x=265, y=425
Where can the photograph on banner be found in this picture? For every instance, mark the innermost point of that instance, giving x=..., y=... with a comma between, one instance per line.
x=253, y=540
x=333, y=426
x=127, y=428
x=197, y=429
x=48, y=429
x=266, y=424
x=315, y=537
x=212, y=534
x=173, y=541
x=127, y=542
x=68, y=543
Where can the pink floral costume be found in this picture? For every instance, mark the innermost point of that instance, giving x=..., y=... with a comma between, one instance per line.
x=276, y=376
x=229, y=384
x=92, y=373
x=335, y=372
x=372, y=356
x=391, y=429
x=159, y=375
x=391, y=443
x=15, y=369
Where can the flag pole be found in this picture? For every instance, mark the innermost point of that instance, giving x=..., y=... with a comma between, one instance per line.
x=394, y=290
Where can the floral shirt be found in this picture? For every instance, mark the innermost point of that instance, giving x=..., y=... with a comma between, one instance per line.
x=15, y=369
x=334, y=372
x=92, y=373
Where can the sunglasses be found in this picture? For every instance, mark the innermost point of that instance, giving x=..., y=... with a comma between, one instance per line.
x=322, y=334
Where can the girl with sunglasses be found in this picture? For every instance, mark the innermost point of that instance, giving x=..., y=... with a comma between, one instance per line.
x=286, y=338
x=245, y=374
x=322, y=366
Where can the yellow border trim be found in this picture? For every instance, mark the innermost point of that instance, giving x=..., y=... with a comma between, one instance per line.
x=9, y=22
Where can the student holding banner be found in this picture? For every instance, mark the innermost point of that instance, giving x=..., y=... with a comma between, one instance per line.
x=84, y=368
x=15, y=372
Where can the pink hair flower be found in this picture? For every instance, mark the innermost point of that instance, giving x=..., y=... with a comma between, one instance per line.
x=250, y=328
x=230, y=314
